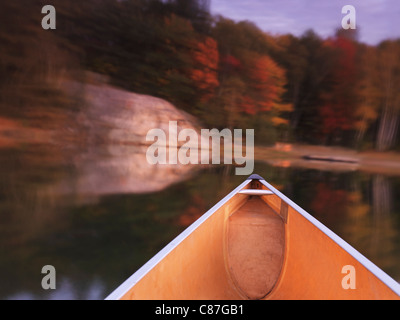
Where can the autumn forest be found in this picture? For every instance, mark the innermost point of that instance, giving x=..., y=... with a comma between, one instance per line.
x=333, y=91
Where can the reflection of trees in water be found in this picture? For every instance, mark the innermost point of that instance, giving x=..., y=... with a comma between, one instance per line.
x=382, y=196
x=97, y=245
x=370, y=225
x=360, y=208
x=77, y=232
x=384, y=233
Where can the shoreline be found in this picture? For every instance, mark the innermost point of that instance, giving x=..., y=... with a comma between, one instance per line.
x=13, y=134
x=330, y=158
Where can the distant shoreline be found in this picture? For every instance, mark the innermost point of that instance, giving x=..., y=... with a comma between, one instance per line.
x=322, y=158
x=13, y=134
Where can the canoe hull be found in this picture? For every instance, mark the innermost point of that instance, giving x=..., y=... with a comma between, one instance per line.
x=197, y=265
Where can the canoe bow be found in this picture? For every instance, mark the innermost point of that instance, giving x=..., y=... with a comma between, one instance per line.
x=257, y=244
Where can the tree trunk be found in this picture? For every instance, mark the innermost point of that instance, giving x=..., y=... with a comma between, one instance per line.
x=388, y=126
x=389, y=122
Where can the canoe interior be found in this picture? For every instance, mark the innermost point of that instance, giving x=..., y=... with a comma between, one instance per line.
x=256, y=247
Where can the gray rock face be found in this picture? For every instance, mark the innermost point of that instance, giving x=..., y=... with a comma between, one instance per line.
x=115, y=115
x=116, y=124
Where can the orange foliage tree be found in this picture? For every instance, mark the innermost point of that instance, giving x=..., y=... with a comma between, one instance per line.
x=205, y=70
x=267, y=82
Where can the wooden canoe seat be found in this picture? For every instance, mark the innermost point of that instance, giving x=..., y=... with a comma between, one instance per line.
x=255, y=248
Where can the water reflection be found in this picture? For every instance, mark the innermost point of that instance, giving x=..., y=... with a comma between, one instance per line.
x=360, y=208
x=90, y=217
x=121, y=169
x=79, y=213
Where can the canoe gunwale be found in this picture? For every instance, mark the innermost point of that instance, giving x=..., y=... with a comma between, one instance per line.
x=368, y=264
x=140, y=273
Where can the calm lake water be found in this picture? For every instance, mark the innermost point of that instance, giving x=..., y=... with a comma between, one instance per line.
x=100, y=216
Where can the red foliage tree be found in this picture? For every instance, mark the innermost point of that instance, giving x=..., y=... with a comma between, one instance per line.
x=337, y=112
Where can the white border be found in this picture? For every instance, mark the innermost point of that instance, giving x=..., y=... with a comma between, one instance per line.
x=138, y=275
x=379, y=273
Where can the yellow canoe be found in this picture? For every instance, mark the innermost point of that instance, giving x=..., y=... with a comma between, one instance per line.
x=257, y=244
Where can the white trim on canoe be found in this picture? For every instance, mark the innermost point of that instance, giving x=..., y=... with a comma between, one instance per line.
x=256, y=192
x=379, y=273
x=138, y=275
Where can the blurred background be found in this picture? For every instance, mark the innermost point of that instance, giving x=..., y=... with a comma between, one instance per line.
x=76, y=103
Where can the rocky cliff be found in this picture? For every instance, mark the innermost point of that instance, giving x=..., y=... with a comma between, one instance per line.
x=115, y=115
x=115, y=123
x=102, y=138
